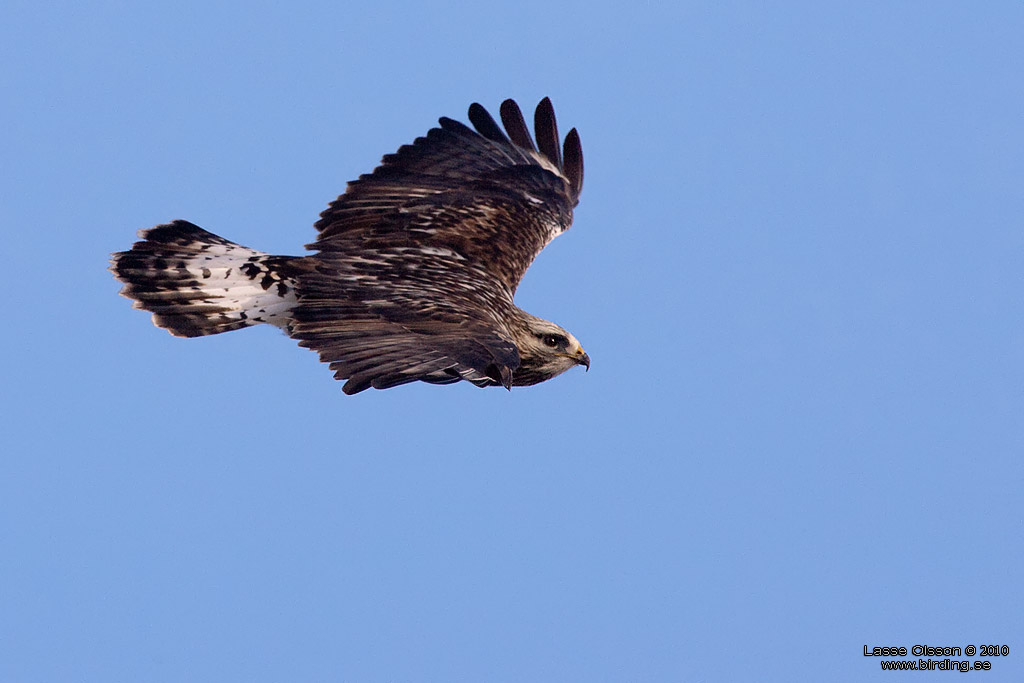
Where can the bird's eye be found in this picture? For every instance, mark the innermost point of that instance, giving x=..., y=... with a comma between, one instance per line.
x=551, y=340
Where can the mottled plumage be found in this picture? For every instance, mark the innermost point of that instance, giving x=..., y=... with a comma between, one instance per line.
x=415, y=269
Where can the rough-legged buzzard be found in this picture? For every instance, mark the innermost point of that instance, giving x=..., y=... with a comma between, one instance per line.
x=415, y=268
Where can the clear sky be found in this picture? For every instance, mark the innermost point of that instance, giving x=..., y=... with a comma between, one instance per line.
x=798, y=268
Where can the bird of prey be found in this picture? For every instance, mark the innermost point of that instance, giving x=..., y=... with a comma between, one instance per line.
x=415, y=265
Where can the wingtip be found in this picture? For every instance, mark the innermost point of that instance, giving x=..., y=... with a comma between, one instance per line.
x=485, y=123
x=515, y=125
x=546, y=129
x=475, y=110
x=572, y=157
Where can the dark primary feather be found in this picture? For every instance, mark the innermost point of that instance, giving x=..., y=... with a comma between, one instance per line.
x=515, y=124
x=572, y=162
x=485, y=124
x=547, y=132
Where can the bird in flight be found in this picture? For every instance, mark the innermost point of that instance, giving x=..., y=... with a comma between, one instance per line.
x=415, y=265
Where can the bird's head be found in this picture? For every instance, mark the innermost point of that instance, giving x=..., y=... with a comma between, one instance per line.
x=545, y=351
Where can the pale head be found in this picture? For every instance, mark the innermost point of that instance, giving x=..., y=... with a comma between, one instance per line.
x=545, y=351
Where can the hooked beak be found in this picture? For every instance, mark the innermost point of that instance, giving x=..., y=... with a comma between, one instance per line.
x=583, y=359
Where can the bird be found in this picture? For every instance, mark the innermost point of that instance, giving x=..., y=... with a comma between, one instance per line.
x=414, y=267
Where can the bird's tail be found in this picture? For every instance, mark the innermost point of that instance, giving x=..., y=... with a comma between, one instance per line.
x=196, y=283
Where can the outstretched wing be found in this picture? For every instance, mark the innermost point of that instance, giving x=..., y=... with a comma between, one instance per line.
x=419, y=260
x=494, y=199
x=371, y=352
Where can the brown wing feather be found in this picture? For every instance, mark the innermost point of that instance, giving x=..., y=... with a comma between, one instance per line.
x=485, y=124
x=547, y=132
x=382, y=354
x=572, y=164
x=453, y=157
x=515, y=124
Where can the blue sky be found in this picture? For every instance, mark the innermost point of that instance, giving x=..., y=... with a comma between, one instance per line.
x=797, y=267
